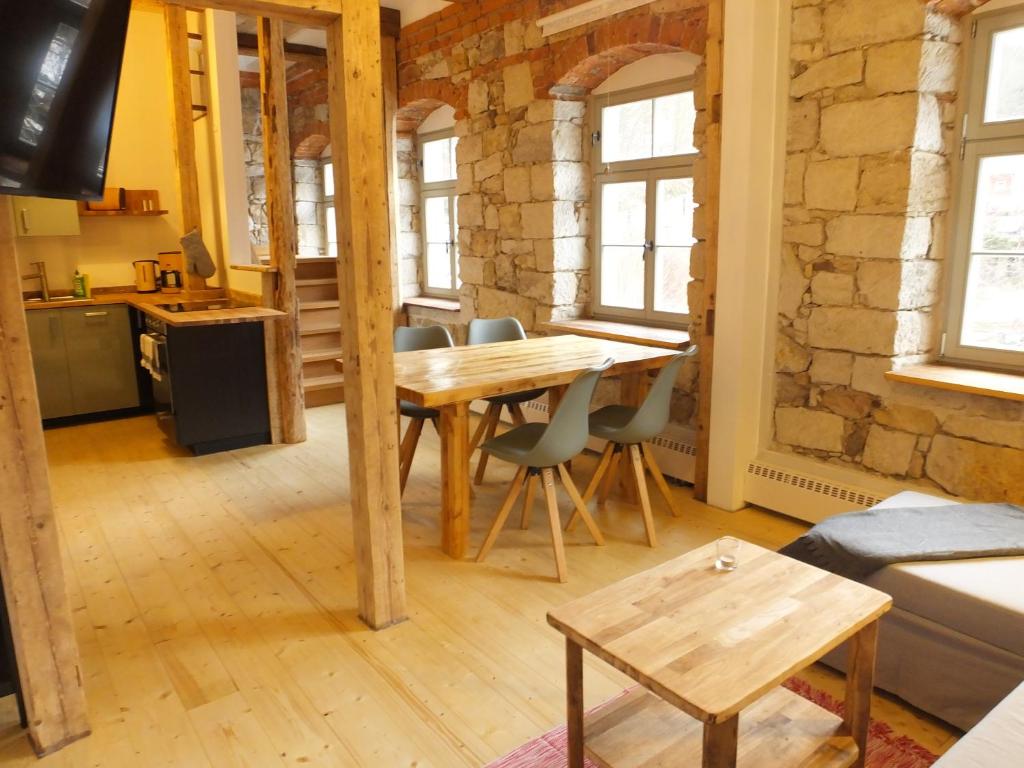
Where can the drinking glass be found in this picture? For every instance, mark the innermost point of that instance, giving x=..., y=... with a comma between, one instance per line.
x=728, y=553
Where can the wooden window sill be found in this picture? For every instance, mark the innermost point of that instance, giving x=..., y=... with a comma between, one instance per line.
x=1007, y=386
x=265, y=268
x=433, y=302
x=667, y=338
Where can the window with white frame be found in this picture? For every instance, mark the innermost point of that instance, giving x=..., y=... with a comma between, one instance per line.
x=986, y=289
x=439, y=209
x=330, y=220
x=643, y=202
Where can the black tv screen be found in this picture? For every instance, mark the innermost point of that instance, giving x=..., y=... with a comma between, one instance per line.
x=60, y=63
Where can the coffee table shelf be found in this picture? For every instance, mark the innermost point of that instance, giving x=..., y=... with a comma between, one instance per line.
x=780, y=730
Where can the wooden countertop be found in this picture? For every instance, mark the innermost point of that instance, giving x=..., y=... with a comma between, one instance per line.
x=147, y=303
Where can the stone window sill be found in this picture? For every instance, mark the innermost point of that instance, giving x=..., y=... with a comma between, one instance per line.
x=1007, y=386
x=667, y=338
x=433, y=302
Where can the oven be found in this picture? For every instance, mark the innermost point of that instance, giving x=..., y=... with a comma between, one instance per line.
x=157, y=361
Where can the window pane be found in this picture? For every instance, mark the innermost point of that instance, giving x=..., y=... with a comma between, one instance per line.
x=999, y=211
x=673, y=238
x=438, y=160
x=1005, y=97
x=437, y=222
x=674, y=117
x=626, y=131
x=992, y=313
x=622, y=277
x=328, y=180
x=332, y=232
x=624, y=213
x=439, y=266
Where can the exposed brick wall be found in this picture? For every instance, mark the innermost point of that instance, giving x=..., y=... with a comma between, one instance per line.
x=524, y=179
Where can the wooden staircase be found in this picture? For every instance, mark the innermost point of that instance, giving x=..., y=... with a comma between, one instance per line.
x=316, y=281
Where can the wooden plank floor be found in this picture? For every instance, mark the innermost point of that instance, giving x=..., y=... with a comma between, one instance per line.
x=214, y=604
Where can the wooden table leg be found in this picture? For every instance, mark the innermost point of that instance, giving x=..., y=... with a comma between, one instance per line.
x=574, y=700
x=455, y=479
x=860, y=680
x=555, y=395
x=720, y=741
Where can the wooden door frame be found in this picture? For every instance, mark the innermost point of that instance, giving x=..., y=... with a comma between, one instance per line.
x=30, y=553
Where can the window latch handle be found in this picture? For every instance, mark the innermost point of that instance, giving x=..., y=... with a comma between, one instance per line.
x=649, y=246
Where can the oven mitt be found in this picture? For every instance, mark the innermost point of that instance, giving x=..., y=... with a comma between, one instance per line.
x=197, y=258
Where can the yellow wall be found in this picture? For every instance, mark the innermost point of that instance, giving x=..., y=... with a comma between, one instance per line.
x=141, y=157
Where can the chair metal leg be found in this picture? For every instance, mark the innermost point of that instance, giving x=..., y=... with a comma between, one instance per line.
x=581, y=508
x=506, y=507
x=492, y=427
x=531, y=487
x=408, y=449
x=548, y=478
x=641, y=487
x=659, y=480
x=481, y=427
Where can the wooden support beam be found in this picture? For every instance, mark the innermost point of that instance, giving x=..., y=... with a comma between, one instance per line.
x=30, y=560
x=180, y=77
x=712, y=150
x=364, y=283
x=289, y=397
x=316, y=13
x=389, y=70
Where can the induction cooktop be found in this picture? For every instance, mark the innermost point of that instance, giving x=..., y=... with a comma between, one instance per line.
x=200, y=306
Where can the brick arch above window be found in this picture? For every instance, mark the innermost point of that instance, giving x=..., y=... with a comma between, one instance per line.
x=311, y=147
x=582, y=63
x=417, y=100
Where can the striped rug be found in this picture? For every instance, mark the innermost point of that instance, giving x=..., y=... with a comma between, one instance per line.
x=886, y=747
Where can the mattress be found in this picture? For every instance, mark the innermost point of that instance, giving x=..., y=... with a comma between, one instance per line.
x=998, y=740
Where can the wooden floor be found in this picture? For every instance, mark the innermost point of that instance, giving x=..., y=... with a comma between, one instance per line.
x=214, y=605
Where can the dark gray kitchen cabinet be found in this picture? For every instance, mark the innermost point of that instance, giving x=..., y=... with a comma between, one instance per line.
x=50, y=360
x=84, y=360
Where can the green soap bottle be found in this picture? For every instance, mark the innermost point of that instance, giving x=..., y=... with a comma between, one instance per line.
x=81, y=285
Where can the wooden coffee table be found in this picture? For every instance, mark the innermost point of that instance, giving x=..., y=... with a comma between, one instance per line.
x=706, y=646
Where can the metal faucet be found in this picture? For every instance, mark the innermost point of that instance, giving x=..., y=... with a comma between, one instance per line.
x=40, y=275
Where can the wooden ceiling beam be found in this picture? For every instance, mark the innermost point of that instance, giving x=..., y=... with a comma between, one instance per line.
x=309, y=13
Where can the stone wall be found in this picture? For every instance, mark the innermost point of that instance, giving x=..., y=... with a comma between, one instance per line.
x=524, y=177
x=309, y=137
x=867, y=193
x=410, y=243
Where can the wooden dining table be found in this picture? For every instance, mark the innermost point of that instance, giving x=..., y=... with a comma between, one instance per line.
x=449, y=379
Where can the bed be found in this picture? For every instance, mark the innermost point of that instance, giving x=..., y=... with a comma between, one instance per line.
x=953, y=644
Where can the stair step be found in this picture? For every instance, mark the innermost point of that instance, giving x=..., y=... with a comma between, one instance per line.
x=317, y=383
x=316, y=355
x=319, y=330
x=313, y=305
x=317, y=281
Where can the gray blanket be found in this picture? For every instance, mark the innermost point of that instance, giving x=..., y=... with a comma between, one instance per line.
x=857, y=544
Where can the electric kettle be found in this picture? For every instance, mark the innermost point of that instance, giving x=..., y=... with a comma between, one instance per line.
x=146, y=275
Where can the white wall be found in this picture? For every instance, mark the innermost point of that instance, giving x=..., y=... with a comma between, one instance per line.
x=649, y=70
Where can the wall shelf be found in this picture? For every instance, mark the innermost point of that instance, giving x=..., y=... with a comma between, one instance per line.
x=137, y=202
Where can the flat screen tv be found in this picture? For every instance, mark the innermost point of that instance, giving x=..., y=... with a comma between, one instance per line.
x=60, y=63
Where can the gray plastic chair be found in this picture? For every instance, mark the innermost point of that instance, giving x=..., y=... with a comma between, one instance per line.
x=540, y=448
x=485, y=331
x=628, y=430
x=411, y=340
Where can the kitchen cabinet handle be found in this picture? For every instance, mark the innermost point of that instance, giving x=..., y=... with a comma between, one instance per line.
x=96, y=314
x=25, y=220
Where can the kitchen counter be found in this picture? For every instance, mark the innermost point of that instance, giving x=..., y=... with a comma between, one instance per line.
x=146, y=303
